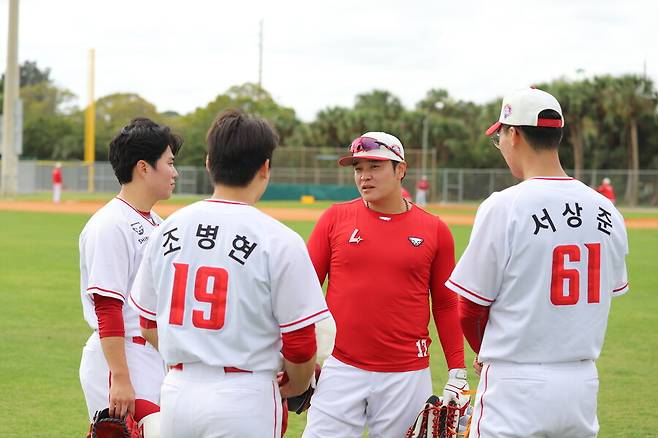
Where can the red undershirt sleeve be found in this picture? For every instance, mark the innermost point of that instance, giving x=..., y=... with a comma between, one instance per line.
x=444, y=301
x=474, y=319
x=109, y=312
x=147, y=323
x=299, y=346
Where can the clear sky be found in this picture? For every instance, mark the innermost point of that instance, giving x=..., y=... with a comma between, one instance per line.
x=180, y=54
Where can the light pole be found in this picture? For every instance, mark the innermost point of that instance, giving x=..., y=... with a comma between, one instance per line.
x=423, y=156
x=9, y=183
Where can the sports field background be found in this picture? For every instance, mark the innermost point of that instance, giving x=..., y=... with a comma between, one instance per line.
x=42, y=331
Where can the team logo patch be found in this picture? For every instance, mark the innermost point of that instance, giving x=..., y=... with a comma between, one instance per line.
x=137, y=228
x=415, y=241
x=507, y=111
x=354, y=238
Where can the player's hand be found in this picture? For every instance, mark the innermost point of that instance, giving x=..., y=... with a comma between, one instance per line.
x=282, y=380
x=477, y=366
x=456, y=387
x=122, y=397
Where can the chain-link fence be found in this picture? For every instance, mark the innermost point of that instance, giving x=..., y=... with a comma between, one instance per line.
x=318, y=167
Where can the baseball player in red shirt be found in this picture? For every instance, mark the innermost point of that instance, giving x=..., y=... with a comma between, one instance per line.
x=230, y=297
x=119, y=368
x=545, y=258
x=607, y=190
x=387, y=261
x=422, y=187
x=57, y=183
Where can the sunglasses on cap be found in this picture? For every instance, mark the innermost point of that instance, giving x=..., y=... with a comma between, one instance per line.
x=366, y=144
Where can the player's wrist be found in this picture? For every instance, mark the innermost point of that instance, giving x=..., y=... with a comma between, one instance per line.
x=120, y=376
x=457, y=373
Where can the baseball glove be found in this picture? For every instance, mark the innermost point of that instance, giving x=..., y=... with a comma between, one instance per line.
x=302, y=402
x=105, y=426
x=436, y=420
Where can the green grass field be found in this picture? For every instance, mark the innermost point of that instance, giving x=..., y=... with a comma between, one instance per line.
x=42, y=333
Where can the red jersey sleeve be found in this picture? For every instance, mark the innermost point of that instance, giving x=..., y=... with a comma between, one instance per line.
x=474, y=319
x=300, y=345
x=444, y=301
x=109, y=312
x=147, y=323
x=318, y=245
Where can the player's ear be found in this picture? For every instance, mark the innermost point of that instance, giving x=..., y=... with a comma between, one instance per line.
x=264, y=170
x=207, y=163
x=141, y=167
x=401, y=170
x=515, y=135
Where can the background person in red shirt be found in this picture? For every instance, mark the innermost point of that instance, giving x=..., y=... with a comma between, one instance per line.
x=422, y=188
x=57, y=183
x=606, y=190
x=387, y=262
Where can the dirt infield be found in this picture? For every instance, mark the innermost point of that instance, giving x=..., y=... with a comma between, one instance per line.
x=282, y=214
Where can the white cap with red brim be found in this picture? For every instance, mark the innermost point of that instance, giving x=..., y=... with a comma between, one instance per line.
x=522, y=108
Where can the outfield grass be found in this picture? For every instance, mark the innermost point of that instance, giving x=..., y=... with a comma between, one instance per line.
x=42, y=333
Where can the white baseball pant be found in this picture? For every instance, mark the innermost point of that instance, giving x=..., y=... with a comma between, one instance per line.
x=536, y=400
x=145, y=366
x=202, y=401
x=348, y=398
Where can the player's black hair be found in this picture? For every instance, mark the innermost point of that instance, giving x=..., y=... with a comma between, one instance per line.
x=238, y=145
x=141, y=139
x=395, y=165
x=539, y=137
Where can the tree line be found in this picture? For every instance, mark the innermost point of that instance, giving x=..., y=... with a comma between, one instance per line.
x=611, y=122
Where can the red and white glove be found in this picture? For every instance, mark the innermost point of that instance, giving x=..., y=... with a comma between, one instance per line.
x=457, y=389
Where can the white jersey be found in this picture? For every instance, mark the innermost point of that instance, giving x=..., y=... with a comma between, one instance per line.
x=223, y=281
x=111, y=245
x=547, y=255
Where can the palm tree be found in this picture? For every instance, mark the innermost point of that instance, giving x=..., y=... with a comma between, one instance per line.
x=575, y=98
x=633, y=99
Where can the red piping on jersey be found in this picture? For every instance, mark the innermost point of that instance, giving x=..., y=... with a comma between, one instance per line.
x=472, y=293
x=106, y=290
x=557, y=178
x=140, y=307
x=486, y=381
x=302, y=320
x=144, y=214
x=620, y=288
x=274, y=396
x=219, y=201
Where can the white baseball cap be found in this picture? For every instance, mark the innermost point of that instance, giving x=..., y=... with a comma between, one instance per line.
x=374, y=146
x=522, y=108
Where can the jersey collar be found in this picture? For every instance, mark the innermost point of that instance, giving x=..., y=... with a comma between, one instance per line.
x=144, y=214
x=224, y=201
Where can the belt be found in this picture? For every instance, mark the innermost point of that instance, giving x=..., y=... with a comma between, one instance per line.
x=134, y=339
x=138, y=340
x=179, y=366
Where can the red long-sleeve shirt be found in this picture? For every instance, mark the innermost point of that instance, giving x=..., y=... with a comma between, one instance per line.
x=385, y=272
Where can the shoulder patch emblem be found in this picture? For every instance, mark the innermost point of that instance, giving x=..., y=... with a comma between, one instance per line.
x=137, y=228
x=415, y=241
